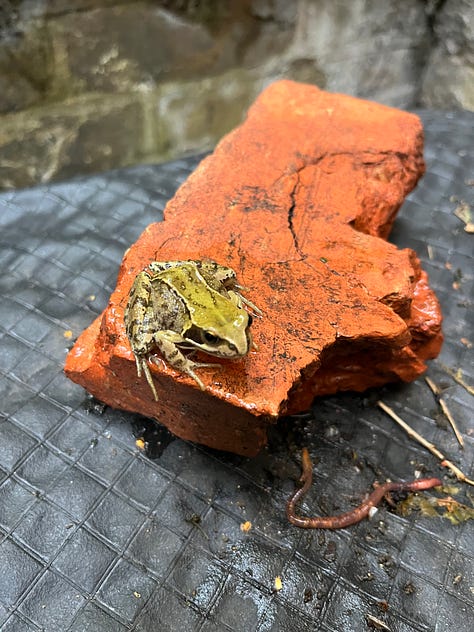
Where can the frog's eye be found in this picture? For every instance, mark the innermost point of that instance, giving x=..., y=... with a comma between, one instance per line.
x=209, y=338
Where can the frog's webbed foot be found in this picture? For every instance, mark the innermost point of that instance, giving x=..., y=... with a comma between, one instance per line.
x=195, y=377
x=143, y=364
x=198, y=365
x=187, y=366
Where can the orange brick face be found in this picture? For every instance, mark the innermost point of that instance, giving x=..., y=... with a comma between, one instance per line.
x=299, y=200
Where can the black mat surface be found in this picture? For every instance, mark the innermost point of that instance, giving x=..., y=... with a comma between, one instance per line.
x=97, y=536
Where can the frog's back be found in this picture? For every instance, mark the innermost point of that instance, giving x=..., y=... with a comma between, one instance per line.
x=207, y=306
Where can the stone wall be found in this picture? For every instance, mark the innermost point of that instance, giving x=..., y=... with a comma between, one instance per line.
x=88, y=85
x=448, y=80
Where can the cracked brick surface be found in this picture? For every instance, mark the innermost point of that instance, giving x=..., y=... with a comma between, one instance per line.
x=299, y=201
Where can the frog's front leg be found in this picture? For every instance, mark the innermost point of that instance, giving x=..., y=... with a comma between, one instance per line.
x=167, y=342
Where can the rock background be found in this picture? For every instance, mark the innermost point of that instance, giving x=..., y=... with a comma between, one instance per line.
x=88, y=85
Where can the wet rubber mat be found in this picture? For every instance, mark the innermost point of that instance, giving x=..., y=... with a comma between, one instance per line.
x=98, y=533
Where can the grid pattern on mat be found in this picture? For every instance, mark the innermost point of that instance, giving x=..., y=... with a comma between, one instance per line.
x=96, y=536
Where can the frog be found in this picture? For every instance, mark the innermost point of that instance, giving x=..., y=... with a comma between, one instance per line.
x=181, y=307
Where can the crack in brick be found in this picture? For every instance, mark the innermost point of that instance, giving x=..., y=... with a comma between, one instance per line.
x=291, y=212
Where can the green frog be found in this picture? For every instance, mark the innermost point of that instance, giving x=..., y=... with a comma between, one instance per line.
x=174, y=306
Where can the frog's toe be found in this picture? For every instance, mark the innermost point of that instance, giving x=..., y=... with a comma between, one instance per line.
x=198, y=381
x=149, y=377
x=204, y=365
x=138, y=362
x=200, y=365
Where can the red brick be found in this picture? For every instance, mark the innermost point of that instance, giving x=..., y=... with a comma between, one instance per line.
x=299, y=200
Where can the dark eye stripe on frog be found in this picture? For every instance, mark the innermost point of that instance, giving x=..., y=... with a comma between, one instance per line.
x=210, y=338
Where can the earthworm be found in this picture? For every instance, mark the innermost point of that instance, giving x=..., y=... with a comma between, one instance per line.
x=354, y=515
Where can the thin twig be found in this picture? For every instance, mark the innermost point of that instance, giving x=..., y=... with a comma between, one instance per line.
x=449, y=417
x=456, y=375
x=376, y=623
x=444, y=407
x=429, y=446
x=434, y=387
